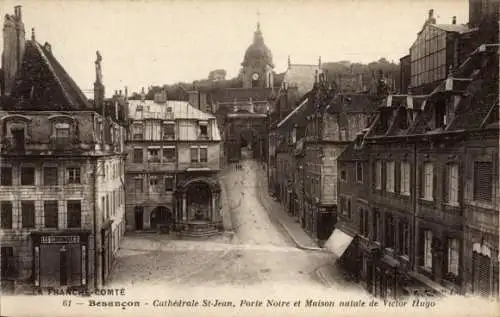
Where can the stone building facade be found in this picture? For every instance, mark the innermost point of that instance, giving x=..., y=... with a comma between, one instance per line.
x=423, y=185
x=308, y=142
x=172, y=167
x=61, y=190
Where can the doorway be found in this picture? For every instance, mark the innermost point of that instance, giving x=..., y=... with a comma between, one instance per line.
x=139, y=217
x=160, y=216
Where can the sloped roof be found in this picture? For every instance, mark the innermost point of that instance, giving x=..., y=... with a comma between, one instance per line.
x=301, y=76
x=179, y=110
x=43, y=84
x=353, y=103
x=457, y=28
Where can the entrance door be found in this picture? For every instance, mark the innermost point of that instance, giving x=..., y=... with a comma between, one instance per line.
x=139, y=218
x=159, y=216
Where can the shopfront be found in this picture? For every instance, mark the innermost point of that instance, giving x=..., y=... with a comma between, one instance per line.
x=60, y=259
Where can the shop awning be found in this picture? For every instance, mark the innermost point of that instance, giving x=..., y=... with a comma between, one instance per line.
x=338, y=242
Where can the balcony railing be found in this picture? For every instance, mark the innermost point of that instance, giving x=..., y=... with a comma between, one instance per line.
x=198, y=164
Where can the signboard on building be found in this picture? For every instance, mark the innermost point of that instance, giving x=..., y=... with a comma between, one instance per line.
x=59, y=239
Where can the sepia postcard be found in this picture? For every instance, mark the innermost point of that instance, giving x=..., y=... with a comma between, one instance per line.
x=249, y=158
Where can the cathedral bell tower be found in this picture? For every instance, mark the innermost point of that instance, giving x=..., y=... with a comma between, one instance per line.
x=257, y=64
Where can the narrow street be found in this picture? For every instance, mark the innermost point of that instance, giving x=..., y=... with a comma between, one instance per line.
x=259, y=252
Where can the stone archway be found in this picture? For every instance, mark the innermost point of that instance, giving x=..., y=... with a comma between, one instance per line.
x=198, y=205
x=199, y=197
x=160, y=216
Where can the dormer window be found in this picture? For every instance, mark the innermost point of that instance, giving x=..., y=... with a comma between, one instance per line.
x=137, y=132
x=203, y=126
x=62, y=133
x=17, y=128
x=18, y=132
x=63, y=130
x=168, y=131
x=440, y=115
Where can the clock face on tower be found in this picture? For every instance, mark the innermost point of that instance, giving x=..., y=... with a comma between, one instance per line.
x=255, y=76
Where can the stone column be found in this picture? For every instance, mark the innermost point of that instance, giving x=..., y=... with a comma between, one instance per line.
x=184, y=207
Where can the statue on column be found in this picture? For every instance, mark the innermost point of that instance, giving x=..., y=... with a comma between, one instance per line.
x=98, y=70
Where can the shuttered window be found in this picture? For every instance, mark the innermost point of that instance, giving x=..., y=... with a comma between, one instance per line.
x=359, y=172
x=74, y=213
x=378, y=175
x=6, y=176
x=389, y=183
x=138, y=155
x=428, y=177
x=50, y=175
x=376, y=225
x=404, y=241
x=6, y=209
x=50, y=213
x=138, y=185
x=483, y=181
x=482, y=274
x=451, y=187
x=453, y=256
x=28, y=214
x=405, y=178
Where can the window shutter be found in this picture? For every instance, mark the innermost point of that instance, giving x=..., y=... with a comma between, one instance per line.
x=483, y=179
x=434, y=183
x=446, y=268
x=397, y=177
x=421, y=247
x=446, y=183
x=421, y=181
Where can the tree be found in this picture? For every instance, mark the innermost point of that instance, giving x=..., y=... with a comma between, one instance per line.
x=217, y=74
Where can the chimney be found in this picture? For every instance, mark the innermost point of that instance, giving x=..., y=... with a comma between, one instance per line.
x=143, y=94
x=431, y=19
x=289, y=62
x=454, y=20
x=13, y=48
x=120, y=92
x=319, y=62
x=475, y=8
x=194, y=99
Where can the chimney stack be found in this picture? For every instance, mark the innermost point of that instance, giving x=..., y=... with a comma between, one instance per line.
x=13, y=48
x=431, y=19
x=454, y=20
x=143, y=94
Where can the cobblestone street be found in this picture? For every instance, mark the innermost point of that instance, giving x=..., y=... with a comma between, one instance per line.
x=260, y=251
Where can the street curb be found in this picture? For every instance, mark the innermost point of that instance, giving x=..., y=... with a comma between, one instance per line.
x=278, y=220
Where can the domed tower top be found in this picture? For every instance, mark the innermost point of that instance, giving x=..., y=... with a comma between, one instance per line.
x=258, y=52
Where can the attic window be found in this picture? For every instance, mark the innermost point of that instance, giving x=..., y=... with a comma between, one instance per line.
x=440, y=115
x=203, y=125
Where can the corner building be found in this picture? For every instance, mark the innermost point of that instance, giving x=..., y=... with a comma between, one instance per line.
x=172, y=168
x=59, y=159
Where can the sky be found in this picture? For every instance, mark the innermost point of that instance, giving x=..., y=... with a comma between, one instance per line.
x=148, y=42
